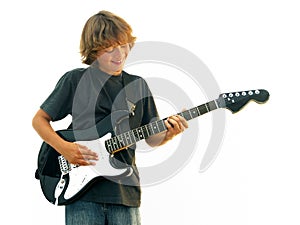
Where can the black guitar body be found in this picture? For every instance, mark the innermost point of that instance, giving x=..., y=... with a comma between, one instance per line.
x=49, y=171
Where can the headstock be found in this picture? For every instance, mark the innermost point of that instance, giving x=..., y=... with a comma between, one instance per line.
x=235, y=101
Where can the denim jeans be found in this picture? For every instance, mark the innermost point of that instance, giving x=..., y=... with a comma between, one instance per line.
x=91, y=213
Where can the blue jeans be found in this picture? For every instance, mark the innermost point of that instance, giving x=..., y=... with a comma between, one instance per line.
x=91, y=213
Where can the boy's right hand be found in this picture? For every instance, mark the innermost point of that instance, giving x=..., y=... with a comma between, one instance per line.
x=78, y=154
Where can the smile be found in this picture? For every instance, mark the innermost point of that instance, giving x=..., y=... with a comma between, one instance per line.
x=117, y=62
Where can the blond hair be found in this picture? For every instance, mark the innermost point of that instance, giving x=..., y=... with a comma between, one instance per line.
x=101, y=31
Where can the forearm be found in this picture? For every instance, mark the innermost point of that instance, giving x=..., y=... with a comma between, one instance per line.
x=74, y=153
x=174, y=124
x=41, y=124
x=158, y=139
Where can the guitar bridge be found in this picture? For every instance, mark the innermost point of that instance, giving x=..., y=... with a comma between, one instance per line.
x=65, y=166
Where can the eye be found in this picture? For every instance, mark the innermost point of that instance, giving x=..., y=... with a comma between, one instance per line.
x=124, y=46
x=109, y=50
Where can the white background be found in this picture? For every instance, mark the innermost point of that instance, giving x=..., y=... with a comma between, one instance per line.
x=245, y=44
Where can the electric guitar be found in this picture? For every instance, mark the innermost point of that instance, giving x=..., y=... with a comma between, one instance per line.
x=62, y=182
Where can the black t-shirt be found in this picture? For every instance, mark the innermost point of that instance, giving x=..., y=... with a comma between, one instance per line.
x=90, y=95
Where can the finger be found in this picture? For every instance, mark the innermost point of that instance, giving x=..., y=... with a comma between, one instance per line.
x=85, y=163
x=85, y=156
x=168, y=124
x=183, y=121
x=82, y=148
x=90, y=153
x=174, y=122
x=178, y=123
x=86, y=152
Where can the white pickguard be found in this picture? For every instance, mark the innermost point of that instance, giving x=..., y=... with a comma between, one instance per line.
x=80, y=176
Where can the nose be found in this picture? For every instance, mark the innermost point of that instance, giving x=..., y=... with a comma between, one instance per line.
x=118, y=51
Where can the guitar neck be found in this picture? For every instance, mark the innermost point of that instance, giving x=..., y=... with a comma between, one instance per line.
x=122, y=141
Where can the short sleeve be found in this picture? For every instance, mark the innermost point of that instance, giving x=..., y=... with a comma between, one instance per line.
x=59, y=103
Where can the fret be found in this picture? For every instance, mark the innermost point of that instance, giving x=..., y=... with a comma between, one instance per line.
x=207, y=107
x=120, y=141
x=198, y=110
x=194, y=112
x=180, y=114
x=202, y=109
x=190, y=114
x=186, y=114
x=132, y=137
x=161, y=125
x=150, y=129
x=124, y=140
x=216, y=103
x=115, y=143
x=136, y=135
x=212, y=105
x=128, y=139
x=140, y=133
x=111, y=145
x=108, y=145
x=155, y=127
x=145, y=132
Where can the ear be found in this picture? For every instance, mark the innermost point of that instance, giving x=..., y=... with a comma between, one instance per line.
x=131, y=45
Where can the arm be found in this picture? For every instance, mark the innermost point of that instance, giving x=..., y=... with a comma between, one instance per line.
x=74, y=153
x=175, y=125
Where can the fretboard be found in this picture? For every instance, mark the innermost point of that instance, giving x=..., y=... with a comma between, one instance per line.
x=128, y=138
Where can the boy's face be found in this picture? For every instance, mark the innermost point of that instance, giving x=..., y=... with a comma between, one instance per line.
x=111, y=60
